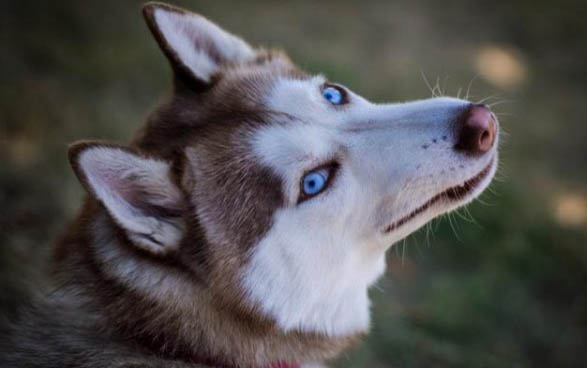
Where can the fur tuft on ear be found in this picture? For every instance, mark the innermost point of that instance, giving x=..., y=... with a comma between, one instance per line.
x=193, y=44
x=136, y=190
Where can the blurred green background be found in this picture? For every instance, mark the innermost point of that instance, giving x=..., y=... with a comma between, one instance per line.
x=507, y=289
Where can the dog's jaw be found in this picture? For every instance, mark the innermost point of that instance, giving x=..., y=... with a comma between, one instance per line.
x=446, y=199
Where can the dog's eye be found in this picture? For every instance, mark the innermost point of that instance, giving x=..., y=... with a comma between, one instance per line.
x=333, y=94
x=316, y=181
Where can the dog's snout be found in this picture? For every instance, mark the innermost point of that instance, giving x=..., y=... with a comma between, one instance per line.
x=477, y=130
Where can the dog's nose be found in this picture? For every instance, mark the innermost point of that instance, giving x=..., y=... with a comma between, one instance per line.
x=477, y=130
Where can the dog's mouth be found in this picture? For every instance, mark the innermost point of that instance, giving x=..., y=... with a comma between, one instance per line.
x=453, y=194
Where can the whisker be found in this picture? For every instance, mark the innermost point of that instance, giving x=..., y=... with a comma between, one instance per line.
x=499, y=179
x=437, y=87
x=432, y=229
x=499, y=114
x=500, y=103
x=444, y=85
x=491, y=190
x=478, y=199
x=453, y=227
x=466, y=216
x=467, y=95
x=487, y=99
x=427, y=82
x=428, y=228
x=378, y=288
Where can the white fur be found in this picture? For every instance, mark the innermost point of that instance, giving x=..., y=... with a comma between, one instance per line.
x=187, y=32
x=115, y=175
x=142, y=276
x=311, y=271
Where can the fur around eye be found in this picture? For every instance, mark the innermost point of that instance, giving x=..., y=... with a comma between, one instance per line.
x=317, y=181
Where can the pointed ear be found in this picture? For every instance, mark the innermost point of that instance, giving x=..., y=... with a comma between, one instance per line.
x=195, y=46
x=136, y=190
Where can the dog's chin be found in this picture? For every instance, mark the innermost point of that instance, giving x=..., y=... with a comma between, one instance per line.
x=445, y=201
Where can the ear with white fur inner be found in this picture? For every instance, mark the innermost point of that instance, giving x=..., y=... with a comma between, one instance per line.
x=137, y=192
x=193, y=44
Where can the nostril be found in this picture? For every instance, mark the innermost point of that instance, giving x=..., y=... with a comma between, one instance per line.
x=485, y=136
x=477, y=130
x=486, y=140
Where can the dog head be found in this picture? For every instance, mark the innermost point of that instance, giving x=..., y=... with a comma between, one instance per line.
x=281, y=190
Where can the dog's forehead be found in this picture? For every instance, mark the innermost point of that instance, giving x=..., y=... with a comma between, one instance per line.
x=267, y=66
x=298, y=97
x=262, y=103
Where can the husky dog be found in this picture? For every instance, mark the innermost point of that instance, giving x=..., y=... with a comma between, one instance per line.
x=244, y=224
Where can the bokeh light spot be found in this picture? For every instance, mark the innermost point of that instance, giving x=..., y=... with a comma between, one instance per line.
x=571, y=209
x=501, y=66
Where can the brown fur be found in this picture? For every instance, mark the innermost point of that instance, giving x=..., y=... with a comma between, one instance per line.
x=195, y=312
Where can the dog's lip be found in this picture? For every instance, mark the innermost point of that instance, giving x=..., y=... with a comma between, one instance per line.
x=452, y=194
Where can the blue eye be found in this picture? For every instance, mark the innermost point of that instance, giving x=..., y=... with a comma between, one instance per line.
x=334, y=95
x=315, y=181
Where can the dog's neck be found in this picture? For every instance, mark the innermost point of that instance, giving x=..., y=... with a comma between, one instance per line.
x=169, y=311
